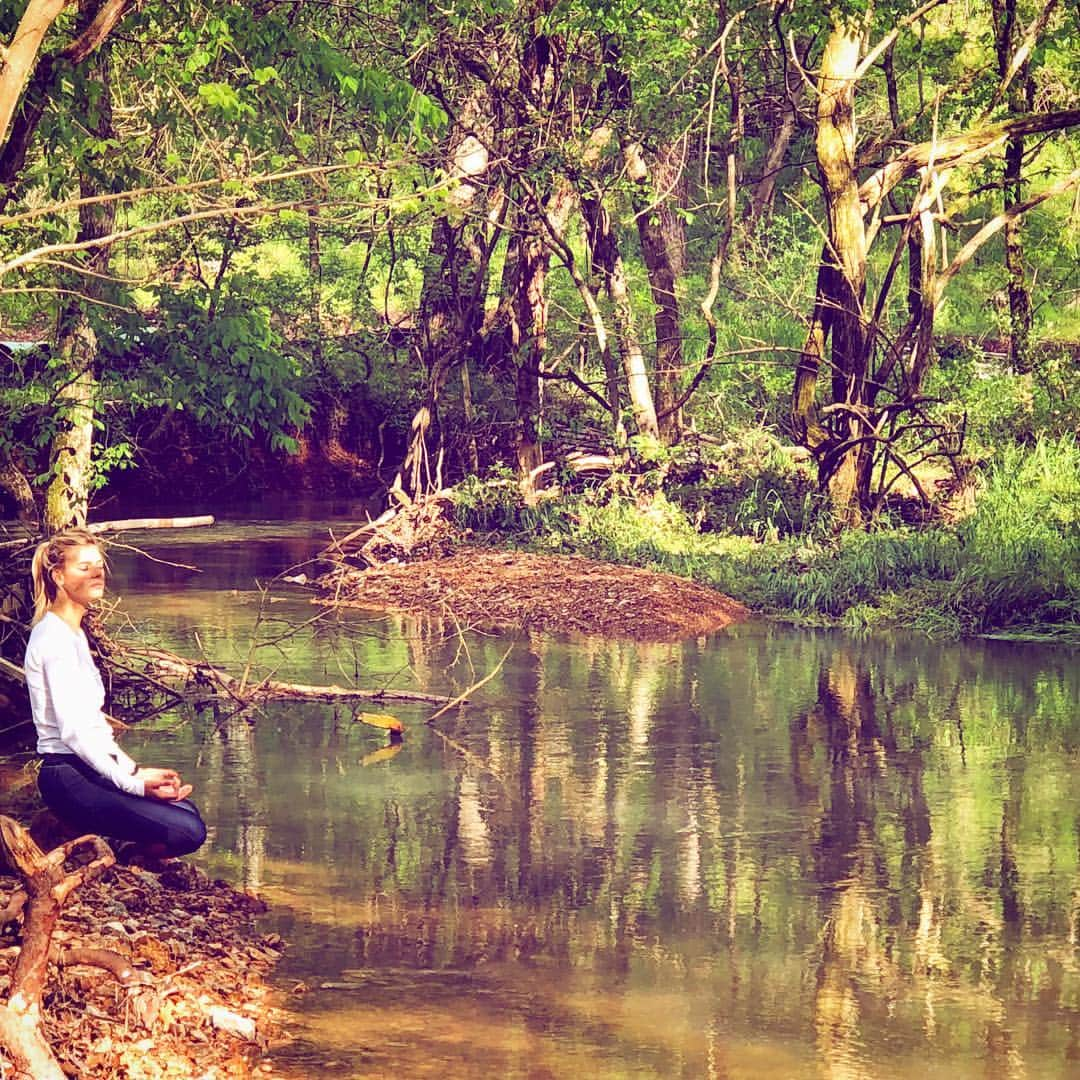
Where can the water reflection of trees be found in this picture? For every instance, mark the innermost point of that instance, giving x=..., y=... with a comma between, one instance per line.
x=867, y=847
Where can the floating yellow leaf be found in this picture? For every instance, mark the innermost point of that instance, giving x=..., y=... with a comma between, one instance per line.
x=381, y=720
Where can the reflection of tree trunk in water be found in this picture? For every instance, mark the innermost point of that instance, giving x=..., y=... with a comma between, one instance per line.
x=1012, y=908
x=530, y=779
x=473, y=830
x=733, y=852
x=239, y=766
x=847, y=856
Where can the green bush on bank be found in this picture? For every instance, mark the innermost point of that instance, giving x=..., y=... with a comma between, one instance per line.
x=1013, y=566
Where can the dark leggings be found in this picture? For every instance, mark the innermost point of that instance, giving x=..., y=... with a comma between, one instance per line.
x=86, y=800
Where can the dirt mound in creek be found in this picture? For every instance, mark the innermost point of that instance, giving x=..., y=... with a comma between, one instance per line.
x=486, y=587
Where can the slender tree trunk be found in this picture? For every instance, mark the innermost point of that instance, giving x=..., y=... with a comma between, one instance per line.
x=70, y=452
x=660, y=264
x=733, y=76
x=1006, y=37
x=607, y=262
x=530, y=331
x=761, y=201
x=315, y=271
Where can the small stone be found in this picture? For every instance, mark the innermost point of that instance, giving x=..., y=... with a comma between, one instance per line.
x=226, y=1020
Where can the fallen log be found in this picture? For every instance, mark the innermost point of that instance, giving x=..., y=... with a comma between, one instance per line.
x=165, y=665
x=127, y=524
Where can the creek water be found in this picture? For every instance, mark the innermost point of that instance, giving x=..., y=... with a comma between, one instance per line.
x=765, y=853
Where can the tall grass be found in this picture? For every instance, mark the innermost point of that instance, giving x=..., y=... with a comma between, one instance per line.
x=1021, y=547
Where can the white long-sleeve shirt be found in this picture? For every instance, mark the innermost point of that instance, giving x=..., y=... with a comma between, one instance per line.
x=67, y=697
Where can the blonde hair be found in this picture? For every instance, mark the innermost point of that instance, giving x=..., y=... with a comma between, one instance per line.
x=51, y=555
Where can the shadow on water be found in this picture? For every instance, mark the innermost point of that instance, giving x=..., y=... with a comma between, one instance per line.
x=770, y=853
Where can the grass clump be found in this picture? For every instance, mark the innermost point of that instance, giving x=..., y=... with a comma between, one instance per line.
x=1012, y=567
x=1021, y=565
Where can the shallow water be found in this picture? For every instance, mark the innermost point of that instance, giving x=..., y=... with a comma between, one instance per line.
x=768, y=853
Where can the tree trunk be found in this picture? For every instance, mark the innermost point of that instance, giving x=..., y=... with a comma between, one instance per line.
x=315, y=270
x=1006, y=36
x=530, y=337
x=607, y=262
x=47, y=886
x=450, y=319
x=765, y=190
x=70, y=452
x=670, y=181
x=660, y=264
x=14, y=484
x=841, y=283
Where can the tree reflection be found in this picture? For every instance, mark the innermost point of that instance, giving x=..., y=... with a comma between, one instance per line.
x=674, y=852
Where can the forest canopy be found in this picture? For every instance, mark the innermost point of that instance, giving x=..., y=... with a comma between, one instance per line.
x=411, y=243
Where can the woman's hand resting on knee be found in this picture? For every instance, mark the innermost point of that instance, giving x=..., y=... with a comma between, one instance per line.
x=163, y=784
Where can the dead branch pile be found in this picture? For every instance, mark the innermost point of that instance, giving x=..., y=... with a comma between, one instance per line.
x=423, y=529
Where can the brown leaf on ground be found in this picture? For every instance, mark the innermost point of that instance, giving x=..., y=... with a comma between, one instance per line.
x=197, y=942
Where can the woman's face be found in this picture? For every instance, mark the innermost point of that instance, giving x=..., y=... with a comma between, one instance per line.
x=82, y=576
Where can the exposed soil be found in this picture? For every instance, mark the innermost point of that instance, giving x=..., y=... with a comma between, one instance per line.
x=485, y=587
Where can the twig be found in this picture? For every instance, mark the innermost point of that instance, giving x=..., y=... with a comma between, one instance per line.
x=475, y=686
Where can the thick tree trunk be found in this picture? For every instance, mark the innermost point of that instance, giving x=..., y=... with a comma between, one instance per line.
x=841, y=287
x=670, y=181
x=70, y=453
x=450, y=321
x=14, y=484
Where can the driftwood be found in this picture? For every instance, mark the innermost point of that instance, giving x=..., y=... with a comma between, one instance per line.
x=47, y=885
x=126, y=524
x=120, y=525
x=167, y=665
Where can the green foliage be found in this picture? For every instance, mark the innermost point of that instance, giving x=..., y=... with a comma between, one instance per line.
x=1022, y=545
x=752, y=485
x=231, y=372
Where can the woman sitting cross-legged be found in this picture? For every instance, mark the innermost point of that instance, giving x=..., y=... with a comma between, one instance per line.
x=85, y=778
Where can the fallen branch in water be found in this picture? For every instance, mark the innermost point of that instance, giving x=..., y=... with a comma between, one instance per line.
x=166, y=665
